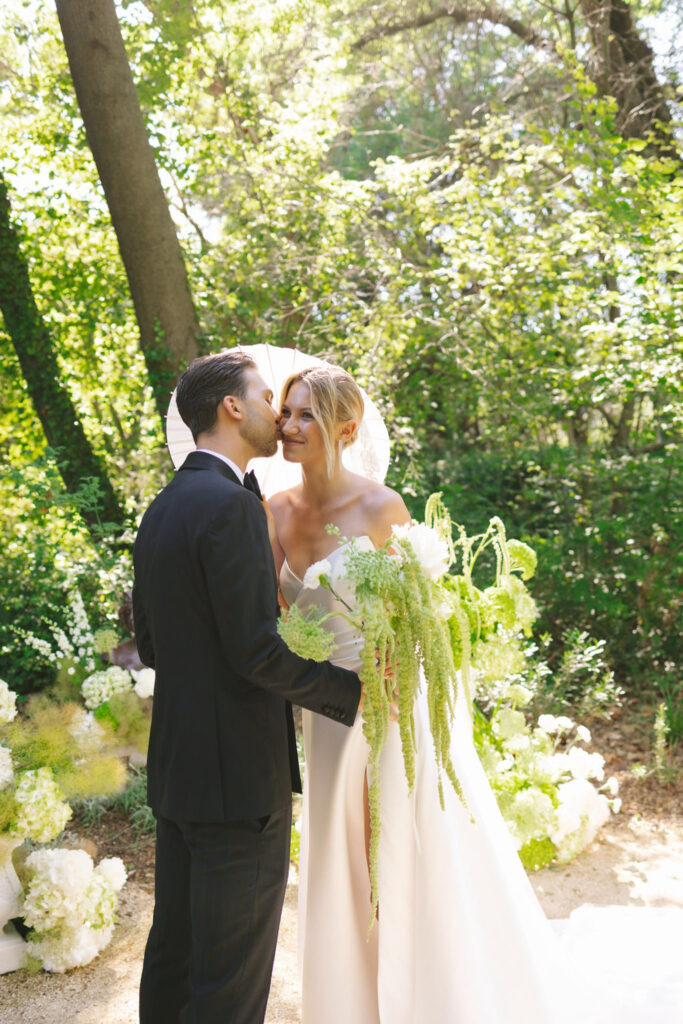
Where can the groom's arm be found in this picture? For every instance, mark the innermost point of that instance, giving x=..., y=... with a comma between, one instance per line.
x=143, y=640
x=238, y=566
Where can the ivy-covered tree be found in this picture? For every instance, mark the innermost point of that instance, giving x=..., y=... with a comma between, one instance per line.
x=55, y=409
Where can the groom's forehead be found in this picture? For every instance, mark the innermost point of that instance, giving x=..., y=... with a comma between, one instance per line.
x=255, y=382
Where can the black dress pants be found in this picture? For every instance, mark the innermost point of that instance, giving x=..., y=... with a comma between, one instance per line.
x=219, y=890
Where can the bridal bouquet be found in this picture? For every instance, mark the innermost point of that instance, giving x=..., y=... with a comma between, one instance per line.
x=422, y=616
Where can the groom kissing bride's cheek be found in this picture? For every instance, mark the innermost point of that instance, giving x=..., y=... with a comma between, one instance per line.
x=430, y=919
x=222, y=759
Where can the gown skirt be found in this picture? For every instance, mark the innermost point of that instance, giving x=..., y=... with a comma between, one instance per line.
x=460, y=936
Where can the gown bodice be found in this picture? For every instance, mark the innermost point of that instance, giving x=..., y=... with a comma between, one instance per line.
x=348, y=639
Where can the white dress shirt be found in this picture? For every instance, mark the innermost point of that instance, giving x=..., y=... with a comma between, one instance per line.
x=239, y=473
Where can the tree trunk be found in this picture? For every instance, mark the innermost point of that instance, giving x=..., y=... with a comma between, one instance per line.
x=52, y=402
x=139, y=210
x=622, y=65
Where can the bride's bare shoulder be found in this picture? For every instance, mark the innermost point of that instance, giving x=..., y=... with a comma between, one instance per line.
x=283, y=500
x=383, y=508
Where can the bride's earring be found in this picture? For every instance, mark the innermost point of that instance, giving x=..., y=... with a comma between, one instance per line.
x=340, y=449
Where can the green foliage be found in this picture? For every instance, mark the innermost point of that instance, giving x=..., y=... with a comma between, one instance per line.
x=447, y=212
x=608, y=530
x=130, y=802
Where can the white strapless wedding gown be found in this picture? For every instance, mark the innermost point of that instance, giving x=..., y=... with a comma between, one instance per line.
x=461, y=937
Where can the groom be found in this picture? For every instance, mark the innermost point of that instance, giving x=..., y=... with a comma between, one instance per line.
x=222, y=757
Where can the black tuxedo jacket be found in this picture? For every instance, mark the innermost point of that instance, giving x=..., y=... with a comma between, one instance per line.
x=205, y=605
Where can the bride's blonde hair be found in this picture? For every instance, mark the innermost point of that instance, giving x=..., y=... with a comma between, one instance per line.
x=335, y=398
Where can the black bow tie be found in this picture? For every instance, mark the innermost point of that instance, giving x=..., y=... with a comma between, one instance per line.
x=252, y=484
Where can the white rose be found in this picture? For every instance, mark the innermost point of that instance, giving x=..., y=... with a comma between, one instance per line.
x=144, y=682
x=430, y=550
x=312, y=575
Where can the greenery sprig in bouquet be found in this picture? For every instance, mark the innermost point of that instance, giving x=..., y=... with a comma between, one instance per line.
x=422, y=615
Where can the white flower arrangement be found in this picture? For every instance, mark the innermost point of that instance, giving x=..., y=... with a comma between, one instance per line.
x=545, y=794
x=144, y=682
x=8, y=703
x=102, y=685
x=70, y=905
x=42, y=812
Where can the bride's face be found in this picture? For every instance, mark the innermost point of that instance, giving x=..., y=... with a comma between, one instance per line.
x=302, y=438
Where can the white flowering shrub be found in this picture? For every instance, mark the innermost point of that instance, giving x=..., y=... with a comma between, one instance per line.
x=101, y=686
x=545, y=783
x=72, y=646
x=70, y=905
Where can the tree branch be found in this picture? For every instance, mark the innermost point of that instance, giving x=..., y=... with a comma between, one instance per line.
x=459, y=15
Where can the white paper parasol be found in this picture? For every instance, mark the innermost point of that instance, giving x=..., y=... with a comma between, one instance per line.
x=368, y=456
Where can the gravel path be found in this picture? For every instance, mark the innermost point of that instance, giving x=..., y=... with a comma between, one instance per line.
x=634, y=862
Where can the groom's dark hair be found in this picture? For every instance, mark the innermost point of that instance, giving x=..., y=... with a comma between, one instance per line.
x=204, y=385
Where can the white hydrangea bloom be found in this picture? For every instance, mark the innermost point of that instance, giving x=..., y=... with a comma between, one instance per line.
x=42, y=813
x=87, y=732
x=102, y=685
x=429, y=548
x=508, y=723
x=70, y=906
x=583, y=765
x=518, y=744
x=530, y=815
x=581, y=812
x=8, y=702
x=311, y=580
x=518, y=694
x=6, y=770
x=113, y=871
x=144, y=682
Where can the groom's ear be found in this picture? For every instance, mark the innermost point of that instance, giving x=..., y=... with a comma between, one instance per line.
x=232, y=407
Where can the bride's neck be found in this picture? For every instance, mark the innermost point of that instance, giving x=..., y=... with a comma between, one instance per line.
x=321, y=490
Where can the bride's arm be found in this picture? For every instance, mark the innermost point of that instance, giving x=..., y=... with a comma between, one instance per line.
x=273, y=513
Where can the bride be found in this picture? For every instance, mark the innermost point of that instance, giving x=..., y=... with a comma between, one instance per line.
x=459, y=936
